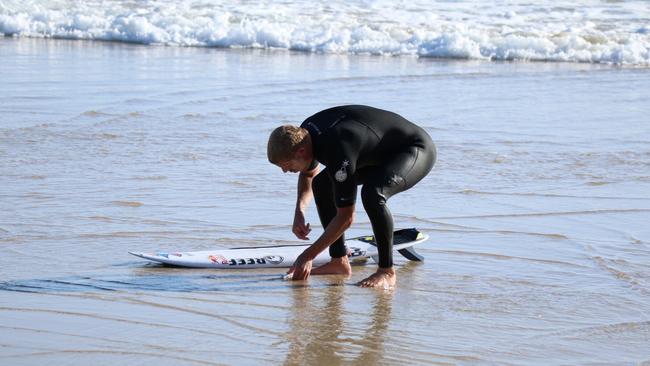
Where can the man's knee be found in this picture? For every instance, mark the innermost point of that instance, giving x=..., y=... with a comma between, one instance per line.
x=372, y=197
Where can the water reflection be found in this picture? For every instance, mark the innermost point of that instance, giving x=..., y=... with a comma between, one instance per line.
x=323, y=331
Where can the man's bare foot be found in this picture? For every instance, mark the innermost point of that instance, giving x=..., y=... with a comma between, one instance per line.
x=339, y=266
x=383, y=278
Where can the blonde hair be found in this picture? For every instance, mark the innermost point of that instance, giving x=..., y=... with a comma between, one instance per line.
x=283, y=142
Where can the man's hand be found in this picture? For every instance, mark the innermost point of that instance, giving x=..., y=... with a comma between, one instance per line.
x=299, y=227
x=301, y=268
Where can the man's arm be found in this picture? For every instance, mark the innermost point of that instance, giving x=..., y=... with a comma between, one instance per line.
x=341, y=222
x=300, y=229
x=304, y=188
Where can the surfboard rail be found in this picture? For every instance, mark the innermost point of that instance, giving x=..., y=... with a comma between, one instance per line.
x=360, y=248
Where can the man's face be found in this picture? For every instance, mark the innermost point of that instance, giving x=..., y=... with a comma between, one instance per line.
x=299, y=163
x=294, y=166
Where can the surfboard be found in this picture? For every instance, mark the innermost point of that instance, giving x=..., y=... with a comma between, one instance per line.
x=282, y=256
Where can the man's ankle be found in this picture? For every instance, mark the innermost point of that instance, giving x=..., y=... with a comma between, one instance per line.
x=389, y=271
x=341, y=260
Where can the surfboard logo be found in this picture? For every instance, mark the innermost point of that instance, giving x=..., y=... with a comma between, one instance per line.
x=218, y=259
x=274, y=259
x=341, y=175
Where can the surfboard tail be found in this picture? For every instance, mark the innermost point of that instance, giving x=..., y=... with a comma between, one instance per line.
x=411, y=254
x=401, y=237
x=409, y=235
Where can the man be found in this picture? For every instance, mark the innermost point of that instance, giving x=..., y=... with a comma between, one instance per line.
x=358, y=145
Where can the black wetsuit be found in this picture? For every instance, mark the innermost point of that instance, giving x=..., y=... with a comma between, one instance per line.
x=379, y=149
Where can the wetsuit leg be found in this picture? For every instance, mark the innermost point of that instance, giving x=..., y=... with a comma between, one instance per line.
x=399, y=173
x=325, y=204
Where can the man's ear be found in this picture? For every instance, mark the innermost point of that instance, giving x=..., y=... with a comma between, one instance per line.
x=300, y=153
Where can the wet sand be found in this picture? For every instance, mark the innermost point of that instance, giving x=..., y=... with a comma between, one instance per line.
x=538, y=210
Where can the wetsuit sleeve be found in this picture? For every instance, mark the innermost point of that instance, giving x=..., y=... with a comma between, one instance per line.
x=341, y=172
x=313, y=165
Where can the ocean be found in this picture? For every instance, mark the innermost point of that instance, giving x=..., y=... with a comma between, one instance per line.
x=142, y=126
x=600, y=31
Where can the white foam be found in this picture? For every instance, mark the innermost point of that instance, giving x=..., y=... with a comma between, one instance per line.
x=595, y=31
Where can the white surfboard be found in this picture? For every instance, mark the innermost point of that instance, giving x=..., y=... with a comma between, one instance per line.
x=283, y=256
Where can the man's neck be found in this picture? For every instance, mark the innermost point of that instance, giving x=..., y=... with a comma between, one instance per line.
x=309, y=152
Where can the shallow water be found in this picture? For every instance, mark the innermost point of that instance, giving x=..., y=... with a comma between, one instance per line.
x=537, y=210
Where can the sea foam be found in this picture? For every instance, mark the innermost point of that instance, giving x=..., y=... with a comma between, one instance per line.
x=595, y=31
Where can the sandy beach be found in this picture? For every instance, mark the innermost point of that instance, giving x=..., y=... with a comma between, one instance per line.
x=538, y=209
